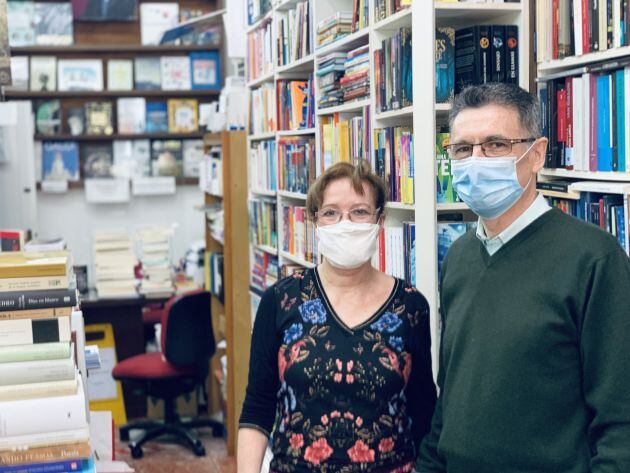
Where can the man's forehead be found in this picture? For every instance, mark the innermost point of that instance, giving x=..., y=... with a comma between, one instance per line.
x=489, y=120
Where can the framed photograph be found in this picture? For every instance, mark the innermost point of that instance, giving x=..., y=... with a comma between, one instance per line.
x=105, y=10
x=80, y=75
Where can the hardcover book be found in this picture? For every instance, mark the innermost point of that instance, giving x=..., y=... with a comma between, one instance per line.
x=205, y=70
x=166, y=158
x=132, y=159
x=80, y=75
x=444, y=64
x=182, y=115
x=43, y=73
x=175, y=72
x=27, y=331
x=131, y=115
x=155, y=19
x=157, y=117
x=147, y=73
x=45, y=454
x=97, y=160
x=193, y=154
x=75, y=121
x=19, y=73
x=53, y=23
x=21, y=21
x=98, y=118
x=105, y=10
x=60, y=161
x=48, y=117
x=120, y=74
x=445, y=191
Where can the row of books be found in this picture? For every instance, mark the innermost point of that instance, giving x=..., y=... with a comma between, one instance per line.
x=259, y=52
x=385, y=8
x=41, y=23
x=134, y=116
x=263, y=222
x=474, y=55
x=299, y=233
x=396, y=251
x=293, y=33
x=343, y=77
x=256, y=9
x=393, y=72
x=574, y=27
x=263, y=173
x=39, y=368
x=393, y=158
x=296, y=109
x=444, y=177
x=262, y=110
x=213, y=266
x=344, y=139
x=296, y=164
x=129, y=159
x=198, y=70
x=585, y=118
x=265, y=270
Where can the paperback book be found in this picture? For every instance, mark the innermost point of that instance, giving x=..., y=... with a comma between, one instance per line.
x=60, y=160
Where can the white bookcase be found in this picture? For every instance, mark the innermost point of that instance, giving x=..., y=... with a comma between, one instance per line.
x=423, y=17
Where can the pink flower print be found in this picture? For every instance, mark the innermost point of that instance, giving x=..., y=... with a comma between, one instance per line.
x=318, y=451
x=296, y=441
x=334, y=414
x=350, y=365
x=324, y=419
x=361, y=452
x=359, y=421
x=349, y=415
x=349, y=378
x=338, y=377
x=339, y=364
x=386, y=445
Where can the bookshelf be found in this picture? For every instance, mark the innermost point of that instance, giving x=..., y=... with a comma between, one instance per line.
x=424, y=115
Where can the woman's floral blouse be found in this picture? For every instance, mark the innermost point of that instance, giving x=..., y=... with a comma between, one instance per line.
x=339, y=399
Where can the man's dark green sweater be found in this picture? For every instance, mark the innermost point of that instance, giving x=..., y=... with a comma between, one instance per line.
x=535, y=355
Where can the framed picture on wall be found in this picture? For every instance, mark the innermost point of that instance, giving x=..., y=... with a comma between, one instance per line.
x=105, y=10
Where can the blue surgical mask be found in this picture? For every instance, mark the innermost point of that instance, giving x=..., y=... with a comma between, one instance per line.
x=489, y=186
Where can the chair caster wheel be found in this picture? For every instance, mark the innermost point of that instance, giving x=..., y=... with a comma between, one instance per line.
x=217, y=431
x=124, y=435
x=136, y=452
x=199, y=450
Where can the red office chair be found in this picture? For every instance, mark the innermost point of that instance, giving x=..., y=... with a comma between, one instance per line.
x=187, y=346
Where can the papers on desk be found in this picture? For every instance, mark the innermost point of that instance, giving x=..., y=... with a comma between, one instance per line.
x=112, y=467
x=92, y=357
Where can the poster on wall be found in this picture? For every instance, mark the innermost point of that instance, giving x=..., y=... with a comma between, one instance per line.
x=105, y=10
x=5, y=55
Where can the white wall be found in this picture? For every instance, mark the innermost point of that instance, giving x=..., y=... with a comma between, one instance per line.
x=70, y=216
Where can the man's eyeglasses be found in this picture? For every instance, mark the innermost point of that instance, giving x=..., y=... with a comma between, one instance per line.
x=330, y=216
x=490, y=148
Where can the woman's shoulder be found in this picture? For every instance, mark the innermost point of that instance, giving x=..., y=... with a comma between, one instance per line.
x=411, y=295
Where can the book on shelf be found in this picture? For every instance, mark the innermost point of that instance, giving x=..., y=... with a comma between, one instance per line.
x=256, y=9
x=47, y=117
x=335, y=27
x=344, y=139
x=34, y=352
x=486, y=53
x=19, y=73
x=131, y=114
x=447, y=234
x=35, y=313
x=355, y=84
x=360, y=15
x=99, y=118
x=263, y=169
x=192, y=151
x=214, y=273
x=155, y=19
x=444, y=64
x=12, y=240
x=330, y=70
x=21, y=23
x=60, y=161
x=147, y=73
x=43, y=73
x=386, y=8
x=262, y=114
x=53, y=24
x=175, y=73
x=74, y=120
x=166, y=158
x=295, y=104
x=585, y=119
x=120, y=74
x=293, y=33
x=131, y=159
x=393, y=71
x=259, y=52
x=393, y=158
x=296, y=163
x=157, y=117
x=264, y=270
x=211, y=172
x=77, y=75
x=299, y=233
x=45, y=455
x=396, y=251
x=97, y=160
x=15, y=301
x=444, y=177
x=263, y=222
x=205, y=70
x=183, y=115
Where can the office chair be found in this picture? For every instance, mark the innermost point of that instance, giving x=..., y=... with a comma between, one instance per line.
x=187, y=346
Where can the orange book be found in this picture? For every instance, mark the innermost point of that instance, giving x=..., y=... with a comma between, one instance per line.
x=75, y=451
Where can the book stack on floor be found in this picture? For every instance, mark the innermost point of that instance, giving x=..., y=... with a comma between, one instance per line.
x=334, y=28
x=330, y=70
x=355, y=84
x=153, y=244
x=43, y=408
x=114, y=264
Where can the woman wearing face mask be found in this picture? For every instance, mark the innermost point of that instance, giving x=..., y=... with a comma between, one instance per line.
x=340, y=367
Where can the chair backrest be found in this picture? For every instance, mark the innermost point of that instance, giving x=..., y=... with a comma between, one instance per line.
x=187, y=335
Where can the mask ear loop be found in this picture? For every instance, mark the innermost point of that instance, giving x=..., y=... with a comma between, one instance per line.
x=520, y=159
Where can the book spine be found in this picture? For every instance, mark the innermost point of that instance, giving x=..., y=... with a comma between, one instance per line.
x=44, y=439
x=38, y=390
x=593, y=122
x=36, y=313
x=484, y=71
x=569, y=124
x=498, y=53
x=10, y=301
x=31, y=270
x=593, y=13
x=585, y=24
x=27, y=331
x=33, y=284
x=45, y=454
x=40, y=351
x=24, y=372
x=511, y=47
x=63, y=466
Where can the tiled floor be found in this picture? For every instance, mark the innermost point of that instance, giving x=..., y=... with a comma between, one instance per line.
x=163, y=457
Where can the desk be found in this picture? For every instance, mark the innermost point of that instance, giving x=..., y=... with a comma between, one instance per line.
x=125, y=315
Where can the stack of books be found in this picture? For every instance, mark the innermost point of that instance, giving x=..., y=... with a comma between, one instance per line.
x=330, y=70
x=43, y=407
x=153, y=244
x=295, y=110
x=344, y=139
x=355, y=84
x=296, y=163
x=334, y=27
x=114, y=264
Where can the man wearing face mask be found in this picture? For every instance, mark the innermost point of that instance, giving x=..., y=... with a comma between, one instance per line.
x=535, y=305
x=340, y=365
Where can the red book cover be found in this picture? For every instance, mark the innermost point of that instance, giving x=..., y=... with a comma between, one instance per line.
x=561, y=100
x=602, y=217
x=569, y=121
x=381, y=249
x=586, y=21
x=592, y=152
x=555, y=20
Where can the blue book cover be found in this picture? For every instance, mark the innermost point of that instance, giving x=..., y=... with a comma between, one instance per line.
x=205, y=70
x=621, y=120
x=157, y=117
x=604, y=135
x=621, y=226
x=447, y=234
x=64, y=466
x=60, y=160
x=444, y=64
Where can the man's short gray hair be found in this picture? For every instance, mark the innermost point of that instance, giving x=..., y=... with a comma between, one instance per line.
x=494, y=93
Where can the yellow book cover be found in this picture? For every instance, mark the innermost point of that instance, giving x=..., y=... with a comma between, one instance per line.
x=328, y=145
x=36, y=313
x=183, y=115
x=31, y=264
x=344, y=141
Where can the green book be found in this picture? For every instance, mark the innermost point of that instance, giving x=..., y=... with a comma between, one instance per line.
x=35, y=352
x=445, y=192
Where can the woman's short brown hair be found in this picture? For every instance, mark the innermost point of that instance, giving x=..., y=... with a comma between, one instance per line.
x=358, y=174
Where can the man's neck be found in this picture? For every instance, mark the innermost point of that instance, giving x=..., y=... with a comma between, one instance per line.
x=496, y=226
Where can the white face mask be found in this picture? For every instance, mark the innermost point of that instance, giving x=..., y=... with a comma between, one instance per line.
x=347, y=245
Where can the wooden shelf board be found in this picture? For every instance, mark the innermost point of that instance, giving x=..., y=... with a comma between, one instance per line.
x=117, y=136
x=307, y=131
x=406, y=112
x=292, y=195
x=305, y=64
x=584, y=60
x=587, y=175
x=268, y=135
x=350, y=107
x=27, y=94
x=296, y=260
x=394, y=22
x=111, y=49
x=347, y=43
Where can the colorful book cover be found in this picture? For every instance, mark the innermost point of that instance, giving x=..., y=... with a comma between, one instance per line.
x=60, y=161
x=53, y=23
x=119, y=74
x=21, y=21
x=183, y=115
x=193, y=151
x=97, y=160
x=132, y=159
x=166, y=158
x=445, y=191
x=43, y=76
x=175, y=72
x=448, y=233
x=98, y=118
x=205, y=70
x=157, y=117
x=48, y=117
x=604, y=135
x=148, y=73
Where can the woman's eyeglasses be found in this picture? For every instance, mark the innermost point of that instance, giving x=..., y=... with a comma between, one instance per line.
x=330, y=216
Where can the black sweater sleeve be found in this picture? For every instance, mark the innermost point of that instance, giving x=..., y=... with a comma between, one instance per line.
x=259, y=406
